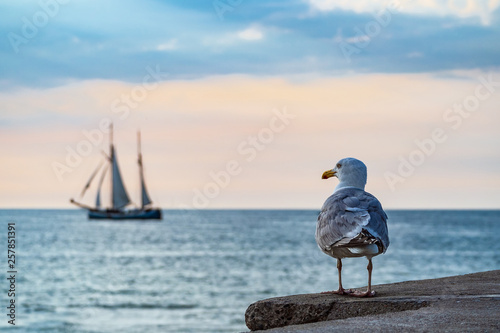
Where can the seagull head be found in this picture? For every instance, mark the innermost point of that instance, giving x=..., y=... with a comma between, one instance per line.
x=351, y=172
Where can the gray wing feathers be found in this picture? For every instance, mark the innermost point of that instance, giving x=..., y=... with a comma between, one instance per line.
x=336, y=223
x=378, y=223
x=348, y=212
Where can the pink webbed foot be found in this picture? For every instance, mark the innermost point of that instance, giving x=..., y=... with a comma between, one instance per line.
x=341, y=291
x=368, y=293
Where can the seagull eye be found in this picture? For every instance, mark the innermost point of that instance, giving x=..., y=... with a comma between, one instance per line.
x=338, y=166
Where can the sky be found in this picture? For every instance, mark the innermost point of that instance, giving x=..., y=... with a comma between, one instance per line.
x=245, y=103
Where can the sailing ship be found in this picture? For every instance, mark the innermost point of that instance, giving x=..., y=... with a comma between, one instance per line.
x=119, y=196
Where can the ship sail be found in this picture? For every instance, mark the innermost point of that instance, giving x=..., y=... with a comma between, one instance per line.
x=90, y=180
x=119, y=196
x=145, y=199
x=98, y=198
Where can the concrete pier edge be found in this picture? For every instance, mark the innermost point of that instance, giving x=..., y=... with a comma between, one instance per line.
x=468, y=302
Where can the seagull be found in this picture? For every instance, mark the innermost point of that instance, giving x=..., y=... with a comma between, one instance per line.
x=352, y=222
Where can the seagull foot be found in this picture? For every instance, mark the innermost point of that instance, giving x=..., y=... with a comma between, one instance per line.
x=339, y=292
x=367, y=293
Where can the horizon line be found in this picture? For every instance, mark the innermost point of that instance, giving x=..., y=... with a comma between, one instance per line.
x=259, y=208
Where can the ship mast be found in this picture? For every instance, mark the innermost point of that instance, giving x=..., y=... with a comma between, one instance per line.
x=145, y=199
x=111, y=159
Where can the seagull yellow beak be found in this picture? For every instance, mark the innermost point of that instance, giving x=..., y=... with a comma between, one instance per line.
x=328, y=174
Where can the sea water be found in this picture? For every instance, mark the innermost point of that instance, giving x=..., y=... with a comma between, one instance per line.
x=197, y=271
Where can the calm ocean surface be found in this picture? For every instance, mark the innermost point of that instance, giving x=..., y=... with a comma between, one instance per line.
x=197, y=271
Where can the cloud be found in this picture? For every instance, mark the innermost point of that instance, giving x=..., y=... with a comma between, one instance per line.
x=359, y=6
x=189, y=41
x=170, y=45
x=482, y=9
x=251, y=34
x=232, y=41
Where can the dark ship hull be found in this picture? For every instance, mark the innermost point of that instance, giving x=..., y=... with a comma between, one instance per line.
x=133, y=214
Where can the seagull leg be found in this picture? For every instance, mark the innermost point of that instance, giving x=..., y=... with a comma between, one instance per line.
x=369, y=292
x=340, y=291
